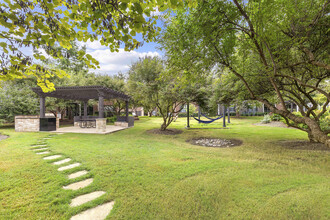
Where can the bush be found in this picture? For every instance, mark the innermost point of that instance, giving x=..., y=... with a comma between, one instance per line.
x=111, y=119
x=275, y=117
x=184, y=115
x=266, y=119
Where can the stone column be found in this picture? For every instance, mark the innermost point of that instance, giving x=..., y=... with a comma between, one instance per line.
x=101, y=106
x=126, y=110
x=42, y=106
x=85, y=108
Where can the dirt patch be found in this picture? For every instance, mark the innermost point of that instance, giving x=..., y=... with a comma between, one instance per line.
x=278, y=124
x=303, y=145
x=3, y=137
x=215, y=142
x=166, y=132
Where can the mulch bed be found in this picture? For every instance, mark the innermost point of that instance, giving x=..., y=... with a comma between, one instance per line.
x=3, y=137
x=278, y=124
x=166, y=132
x=303, y=145
x=215, y=142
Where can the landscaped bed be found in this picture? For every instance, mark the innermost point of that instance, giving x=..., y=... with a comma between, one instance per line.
x=155, y=176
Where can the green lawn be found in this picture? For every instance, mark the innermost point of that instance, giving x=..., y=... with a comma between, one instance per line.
x=152, y=176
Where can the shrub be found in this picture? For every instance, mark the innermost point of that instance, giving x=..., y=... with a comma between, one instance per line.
x=111, y=119
x=184, y=114
x=266, y=119
x=275, y=117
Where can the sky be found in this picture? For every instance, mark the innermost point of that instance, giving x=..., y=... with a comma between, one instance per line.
x=112, y=63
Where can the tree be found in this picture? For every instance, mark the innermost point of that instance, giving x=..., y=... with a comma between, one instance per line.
x=116, y=82
x=148, y=86
x=273, y=47
x=48, y=24
x=17, y=98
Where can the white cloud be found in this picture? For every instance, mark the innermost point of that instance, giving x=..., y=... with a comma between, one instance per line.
x=114, y=62
x=92, y=45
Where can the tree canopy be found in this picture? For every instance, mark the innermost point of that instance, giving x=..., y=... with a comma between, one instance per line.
x=273, y=47
x=48, y=24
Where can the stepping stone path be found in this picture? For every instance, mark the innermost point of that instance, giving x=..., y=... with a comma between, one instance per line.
x=52, y=157
x=69, y=167
x=79, y=185
x=77, y=174
x=97, y=213
x=45, y=152
x=79, y=200
x=62, y=161
x=39, y=149
x=39, y=145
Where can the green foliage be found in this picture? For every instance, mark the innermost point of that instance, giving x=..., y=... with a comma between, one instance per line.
x=269, y=51
x=275, y=117
x=17, y=98
x=184, y=114
x=112, y=119
x=49, y=24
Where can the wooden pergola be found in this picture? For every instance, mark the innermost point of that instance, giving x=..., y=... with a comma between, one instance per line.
x=82, y=93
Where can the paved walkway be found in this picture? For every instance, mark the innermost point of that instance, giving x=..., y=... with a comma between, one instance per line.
x=72, y=129
x=62, y=163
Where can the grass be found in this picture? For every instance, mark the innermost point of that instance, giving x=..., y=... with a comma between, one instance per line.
x=163, y=177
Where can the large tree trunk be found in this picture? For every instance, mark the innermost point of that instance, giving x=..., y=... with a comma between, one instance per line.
x=315, y=133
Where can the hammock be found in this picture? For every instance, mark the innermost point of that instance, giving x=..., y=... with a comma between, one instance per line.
x=207, y=122
x=212, y=118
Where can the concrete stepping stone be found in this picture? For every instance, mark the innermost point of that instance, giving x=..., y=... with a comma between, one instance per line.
x=39, y=149
x=97, y=213
x=86, y=198
x=77, y=174
x=39, y=145
x=69, y=166
x=45, y=152
x=79, y=185
x=52, y=157
x=62, y=161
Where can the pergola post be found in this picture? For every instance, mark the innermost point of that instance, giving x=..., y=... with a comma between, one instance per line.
x=188, y=116
x=224, y=116
x=85, y=108
x=42, y=106
x=126, y=110
x=101, y=106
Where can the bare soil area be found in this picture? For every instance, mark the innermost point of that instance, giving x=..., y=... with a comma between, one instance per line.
x=303, y=145
x=2, y=137
x=274, y=124
x=166, y=132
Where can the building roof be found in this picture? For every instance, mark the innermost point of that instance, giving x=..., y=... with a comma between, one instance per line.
x=82, y=93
